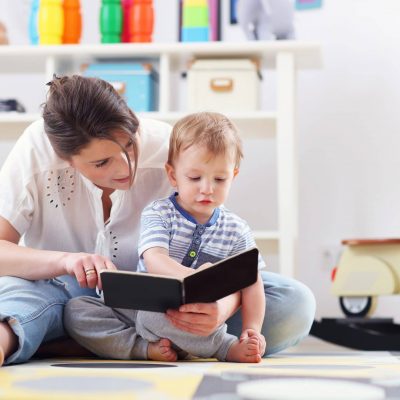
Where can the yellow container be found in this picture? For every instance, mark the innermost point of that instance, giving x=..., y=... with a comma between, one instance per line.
x=51, y=21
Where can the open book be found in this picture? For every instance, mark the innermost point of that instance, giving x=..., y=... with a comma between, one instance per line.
x=142, y=291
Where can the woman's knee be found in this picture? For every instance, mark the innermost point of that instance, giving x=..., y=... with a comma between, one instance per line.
x=289, y=319
x=304, y=314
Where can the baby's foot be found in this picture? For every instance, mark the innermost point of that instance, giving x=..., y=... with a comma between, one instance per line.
x=1, y=356
x=161, y=351
x=247, y=351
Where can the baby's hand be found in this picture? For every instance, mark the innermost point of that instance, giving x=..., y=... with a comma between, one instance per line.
x=251, y=333
x=204, y=266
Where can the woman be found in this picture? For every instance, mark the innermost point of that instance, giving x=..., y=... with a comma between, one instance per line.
x=71, y=194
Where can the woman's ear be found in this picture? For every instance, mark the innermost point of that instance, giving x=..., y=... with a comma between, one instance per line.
x=235, y=172
x=171, y=174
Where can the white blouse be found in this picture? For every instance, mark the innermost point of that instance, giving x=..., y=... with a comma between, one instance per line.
x=54, y=207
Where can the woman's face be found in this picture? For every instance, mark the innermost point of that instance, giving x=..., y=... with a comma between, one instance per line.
x=104, y=163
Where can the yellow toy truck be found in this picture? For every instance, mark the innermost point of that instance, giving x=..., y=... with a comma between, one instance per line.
x=367, y=268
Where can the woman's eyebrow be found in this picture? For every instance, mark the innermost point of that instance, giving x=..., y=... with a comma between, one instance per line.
x=97, y=161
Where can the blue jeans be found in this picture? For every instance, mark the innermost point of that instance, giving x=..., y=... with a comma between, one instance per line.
x=34, y=310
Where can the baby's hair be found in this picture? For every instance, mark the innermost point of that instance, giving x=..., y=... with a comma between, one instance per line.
x=209, y=129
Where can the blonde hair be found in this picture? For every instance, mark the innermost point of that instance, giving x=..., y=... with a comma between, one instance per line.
x=213, y=130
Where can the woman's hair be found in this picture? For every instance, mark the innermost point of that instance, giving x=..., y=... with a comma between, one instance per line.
x=79, y=109
x=211, y=130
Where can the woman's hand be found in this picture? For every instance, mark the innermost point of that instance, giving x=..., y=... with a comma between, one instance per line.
x=198, y=318
x=86, y=268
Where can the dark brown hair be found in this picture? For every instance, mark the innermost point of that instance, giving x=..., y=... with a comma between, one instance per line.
x=79, y=109
x=213, y=130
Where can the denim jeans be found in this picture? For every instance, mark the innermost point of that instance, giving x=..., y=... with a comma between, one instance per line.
x=34, y=310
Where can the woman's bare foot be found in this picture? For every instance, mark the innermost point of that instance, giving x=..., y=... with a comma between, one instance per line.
x=161, y=351
x=1, y=356
x=246, y=351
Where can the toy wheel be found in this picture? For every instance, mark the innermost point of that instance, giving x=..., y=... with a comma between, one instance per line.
x=357, y=306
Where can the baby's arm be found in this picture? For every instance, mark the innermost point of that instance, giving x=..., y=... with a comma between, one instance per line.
x=253, y=310
x=158, y=261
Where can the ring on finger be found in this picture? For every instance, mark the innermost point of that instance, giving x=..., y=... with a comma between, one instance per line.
x=90, y=271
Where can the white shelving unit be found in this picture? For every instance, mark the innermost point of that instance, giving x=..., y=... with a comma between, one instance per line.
x=286, y=57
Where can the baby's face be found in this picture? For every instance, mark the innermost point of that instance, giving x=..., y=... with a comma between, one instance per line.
x=202, y=179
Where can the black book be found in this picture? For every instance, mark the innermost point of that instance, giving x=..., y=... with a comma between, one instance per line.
x=150, y=292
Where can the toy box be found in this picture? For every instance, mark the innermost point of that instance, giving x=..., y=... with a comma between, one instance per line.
x=136, y=82
x=223, y=85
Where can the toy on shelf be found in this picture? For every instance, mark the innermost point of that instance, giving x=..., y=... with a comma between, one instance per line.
x=33, y=22
x=367, y=268
x=11, y=105
x=3, y=34
x=72, y=22
x=195, y=21
x=142, y=21
x=51, y=21
x=126, y=24
x=111, y=21
x=266, y=19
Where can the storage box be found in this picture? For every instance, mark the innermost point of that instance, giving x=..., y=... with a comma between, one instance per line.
x=223, y=85
x=135, y=82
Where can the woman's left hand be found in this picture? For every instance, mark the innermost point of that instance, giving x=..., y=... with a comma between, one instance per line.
x=198, y=318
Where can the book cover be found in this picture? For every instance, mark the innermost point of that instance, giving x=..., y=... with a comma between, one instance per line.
x=150, y=292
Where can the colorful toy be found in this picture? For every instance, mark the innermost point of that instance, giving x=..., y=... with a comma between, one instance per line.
x=142, y=21
x=33, y=22
x=111, y=21
x=51, y=22
x=72, y=21
x=126, y=24
x=195, y=21
x=366, y=269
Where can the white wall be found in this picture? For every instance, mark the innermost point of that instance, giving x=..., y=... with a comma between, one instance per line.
x=349, y=137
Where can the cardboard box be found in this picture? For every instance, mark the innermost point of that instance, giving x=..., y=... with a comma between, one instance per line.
x=135, y=82
x=223, y=85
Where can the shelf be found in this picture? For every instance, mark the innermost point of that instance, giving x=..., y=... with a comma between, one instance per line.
x=307, y=54
x=266, y=235
x=257, y=124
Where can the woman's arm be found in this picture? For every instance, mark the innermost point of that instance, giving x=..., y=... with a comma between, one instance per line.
x=33, y=264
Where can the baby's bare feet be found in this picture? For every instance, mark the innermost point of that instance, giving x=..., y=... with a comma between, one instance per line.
x=161, y=351
x=246, y=351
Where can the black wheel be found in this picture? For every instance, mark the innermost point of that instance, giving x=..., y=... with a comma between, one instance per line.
x=357, y=306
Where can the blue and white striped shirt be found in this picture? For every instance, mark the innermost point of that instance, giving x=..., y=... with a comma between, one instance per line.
x=166, y=224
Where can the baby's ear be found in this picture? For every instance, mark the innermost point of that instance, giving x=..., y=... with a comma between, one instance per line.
x=235, y=172
x=171, y=174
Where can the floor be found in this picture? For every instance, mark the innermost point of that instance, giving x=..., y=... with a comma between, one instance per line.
x=313, y=361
